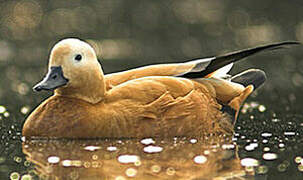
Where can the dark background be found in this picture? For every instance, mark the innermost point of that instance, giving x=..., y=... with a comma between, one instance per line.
x=128, y=34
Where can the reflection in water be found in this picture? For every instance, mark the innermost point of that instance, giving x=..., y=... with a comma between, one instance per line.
x=177, y=158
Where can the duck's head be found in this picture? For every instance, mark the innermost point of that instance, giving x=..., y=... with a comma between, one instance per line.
x=74, y=71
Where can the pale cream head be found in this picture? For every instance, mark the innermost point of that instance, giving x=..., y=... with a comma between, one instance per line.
x=79, y=65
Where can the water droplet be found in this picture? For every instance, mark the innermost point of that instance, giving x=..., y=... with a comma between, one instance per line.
x=170, y=171
x=6, y=114
x=2, y=109
x=53, y=159
x=206, y=152
x=193, y=141
x=156, y=168
x=298, y=159
x=270, y=156
x=131, y=172
x=138, y=163
x=282, y=167
x=261, y=108
x=249, y=169
x=262, y=169
x=200, y=159
x=281, y=145
x=300, y=167
x=266, y=134
x=27, y=163
x=264, y=141
x=251, y=146
x=95, y=157
x=23, y=138
x=249, y=162
x=92, y=148
x=96, y=164
x=112, y=148
x=147, y=141
x=228, y=146
x=86, y=164
x=254, y=104
x=128, y=158
x=76, y=163
x=25, y=109
x=14, y=176
x=2, y=159
x=66, y=163
x=26, y=177
x=120, y=178
x=289, y=133
x=275, y=120
x=266, y=149
x=17, y=159
x=152, y=149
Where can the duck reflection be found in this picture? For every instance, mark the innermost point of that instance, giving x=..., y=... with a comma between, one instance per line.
x=177, y=158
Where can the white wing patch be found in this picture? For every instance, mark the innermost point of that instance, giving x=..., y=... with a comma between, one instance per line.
x=222, y=72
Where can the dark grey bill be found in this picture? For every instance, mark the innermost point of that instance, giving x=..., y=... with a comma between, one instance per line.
x=53, y=79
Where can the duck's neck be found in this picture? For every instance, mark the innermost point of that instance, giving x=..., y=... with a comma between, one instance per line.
x=91, y=88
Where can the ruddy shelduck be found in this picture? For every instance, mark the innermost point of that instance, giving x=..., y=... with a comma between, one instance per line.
x=183, y=99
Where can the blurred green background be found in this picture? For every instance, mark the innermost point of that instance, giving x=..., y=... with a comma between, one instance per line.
x=128, y=34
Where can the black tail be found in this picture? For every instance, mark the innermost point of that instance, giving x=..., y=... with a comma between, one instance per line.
x=255, y=77
x=221, y=61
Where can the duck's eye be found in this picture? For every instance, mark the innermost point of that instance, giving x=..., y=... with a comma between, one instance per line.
x=78, y=57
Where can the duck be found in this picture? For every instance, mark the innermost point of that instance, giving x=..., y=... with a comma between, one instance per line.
x=194, y=98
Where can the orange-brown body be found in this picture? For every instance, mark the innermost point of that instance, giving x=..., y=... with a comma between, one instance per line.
x=155, y=106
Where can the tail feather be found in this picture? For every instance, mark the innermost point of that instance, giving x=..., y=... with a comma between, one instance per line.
x=253, y=77
x=207, y=66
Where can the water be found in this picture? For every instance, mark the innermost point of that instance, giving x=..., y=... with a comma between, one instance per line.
x=265, y=146
x=268, y=134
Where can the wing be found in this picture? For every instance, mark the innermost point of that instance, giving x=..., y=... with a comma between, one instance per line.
x=197, y=68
